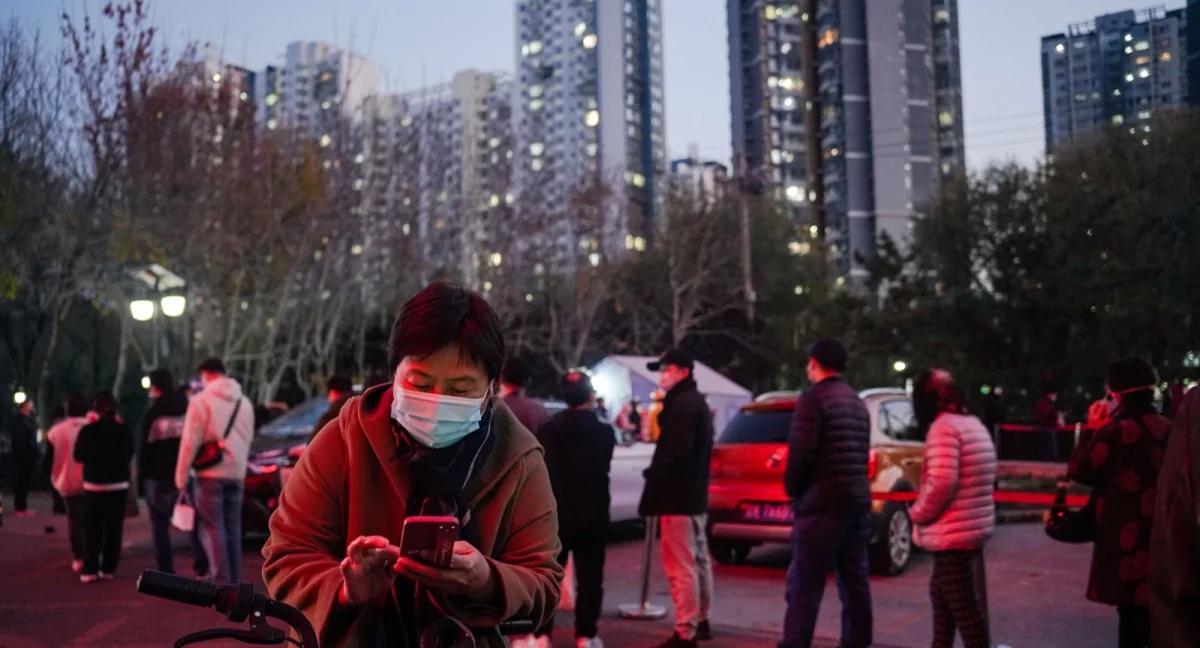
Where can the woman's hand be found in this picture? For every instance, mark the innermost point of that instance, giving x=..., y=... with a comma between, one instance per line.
x=367, y=571
x=469, y=573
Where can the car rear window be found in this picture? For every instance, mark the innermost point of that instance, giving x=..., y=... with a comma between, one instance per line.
x=757, y=427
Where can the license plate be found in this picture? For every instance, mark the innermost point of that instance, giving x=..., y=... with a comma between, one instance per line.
x=763, y=512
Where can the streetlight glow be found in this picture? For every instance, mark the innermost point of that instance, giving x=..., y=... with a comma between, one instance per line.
x=899, y=366
x=145, y=382
x=141, y=310
x=19, y=397
x=173, y=305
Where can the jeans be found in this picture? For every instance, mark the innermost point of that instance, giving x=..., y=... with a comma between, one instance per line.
x=160, y=503
x=821, y=544
x=105, y=524
x=77, y=524
x=219, y=517
x=688, y=566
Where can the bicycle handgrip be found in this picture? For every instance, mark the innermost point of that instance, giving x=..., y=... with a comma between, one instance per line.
x=177, y=588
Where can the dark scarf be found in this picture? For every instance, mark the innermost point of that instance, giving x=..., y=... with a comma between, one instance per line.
x=438, y=477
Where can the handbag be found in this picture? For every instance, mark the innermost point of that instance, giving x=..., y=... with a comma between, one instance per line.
x=183, y=516
x=1066, y=525
x=211, y=452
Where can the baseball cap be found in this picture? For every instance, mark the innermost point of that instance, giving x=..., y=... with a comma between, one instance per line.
x=677, y=357
x=829, y=353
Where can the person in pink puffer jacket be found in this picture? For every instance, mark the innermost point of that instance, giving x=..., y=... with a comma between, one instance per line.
x=954, y=513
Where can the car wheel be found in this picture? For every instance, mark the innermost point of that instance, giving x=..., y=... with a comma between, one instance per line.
x=728, y=553
x=892, y=551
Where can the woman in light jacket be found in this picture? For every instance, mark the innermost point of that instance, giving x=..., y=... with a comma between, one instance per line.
x=954, y=513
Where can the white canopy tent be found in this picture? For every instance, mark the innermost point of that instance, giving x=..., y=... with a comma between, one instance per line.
x=618, y=378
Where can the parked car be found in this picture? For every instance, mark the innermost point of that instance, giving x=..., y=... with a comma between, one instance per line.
x=273, y=453
x=747, y=502
x=624, y=474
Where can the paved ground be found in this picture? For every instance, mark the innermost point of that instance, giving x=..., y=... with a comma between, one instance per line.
x=1035, y=586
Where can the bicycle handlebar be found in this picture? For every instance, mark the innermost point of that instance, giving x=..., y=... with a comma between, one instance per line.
x=177, y=588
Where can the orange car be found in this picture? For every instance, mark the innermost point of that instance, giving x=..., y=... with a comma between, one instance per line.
x=746, y=499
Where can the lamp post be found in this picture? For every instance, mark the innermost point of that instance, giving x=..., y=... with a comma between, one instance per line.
x=168, y=288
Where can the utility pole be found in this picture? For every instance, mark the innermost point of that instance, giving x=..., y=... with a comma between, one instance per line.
x=744, y=186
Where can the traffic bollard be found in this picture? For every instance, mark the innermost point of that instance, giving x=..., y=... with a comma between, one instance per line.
x=645, y=610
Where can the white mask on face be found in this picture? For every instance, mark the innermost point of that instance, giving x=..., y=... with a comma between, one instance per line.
x=435, y=420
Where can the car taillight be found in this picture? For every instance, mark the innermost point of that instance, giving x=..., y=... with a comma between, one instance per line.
x=714, y=463
x=872, y=464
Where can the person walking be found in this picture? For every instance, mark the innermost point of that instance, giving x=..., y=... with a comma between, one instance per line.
x=676, y=492
x=954, y=513
x=579, y=450
x=23, y=430
x=514, y=379
x=826, y=479
x=66, y=474
x=162, y=429
x=1121, y=462
x=1174, y=578
x=221, y=415
x=105, y=448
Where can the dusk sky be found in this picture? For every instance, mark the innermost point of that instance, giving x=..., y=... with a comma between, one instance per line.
x=416, y=42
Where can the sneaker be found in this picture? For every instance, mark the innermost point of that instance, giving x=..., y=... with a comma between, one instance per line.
x=107, y=576
x=704, y=631
x=589, y=642
x=87, y=579
x=677, y=642
x=77, y=566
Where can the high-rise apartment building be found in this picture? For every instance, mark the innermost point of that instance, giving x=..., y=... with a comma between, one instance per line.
x=1115, y=70
x=589, y=108
x=317, y=85
x=850, y=110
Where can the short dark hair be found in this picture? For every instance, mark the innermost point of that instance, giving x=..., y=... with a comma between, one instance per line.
x=935, y=391
x=213, y=365
x=515, y=372
x=339, y=383
x=830, y=354
x=443, y=314
x=576, y=388
x=162, y=380
x=104, y=403
x=74, y=404
x=1131, y=373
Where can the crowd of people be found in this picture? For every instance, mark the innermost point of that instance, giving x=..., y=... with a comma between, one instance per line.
x=454, y=433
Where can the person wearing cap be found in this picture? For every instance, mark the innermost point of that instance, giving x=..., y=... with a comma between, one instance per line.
x=514, y=379
x=826, y=479
x=579, y=450
x=677, y=493
x=1121, y=462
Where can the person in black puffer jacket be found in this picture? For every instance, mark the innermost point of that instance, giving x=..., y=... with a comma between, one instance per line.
x=105, y=448
x=827, y=481
x=677, y=492
x=162, y=427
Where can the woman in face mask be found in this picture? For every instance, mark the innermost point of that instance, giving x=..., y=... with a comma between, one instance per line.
x=436, y=441
x=1121, y=461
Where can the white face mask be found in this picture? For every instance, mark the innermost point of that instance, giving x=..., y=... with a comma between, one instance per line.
x=435, y=420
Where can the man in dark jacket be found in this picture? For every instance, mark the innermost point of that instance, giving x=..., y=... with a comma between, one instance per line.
x=339, y=389
x=579, y=450
x=827, y=482
x=677, y=493
x=1174, y=563
x=514, y=378
x=162, y=427
x=23, y=430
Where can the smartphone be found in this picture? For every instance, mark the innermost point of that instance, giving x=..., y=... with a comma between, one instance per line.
x=429, y=538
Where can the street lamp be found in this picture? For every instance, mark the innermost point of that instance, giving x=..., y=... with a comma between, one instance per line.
x=145, y=382
x=173, y=305
x=899, y=366
x=141, y=310
x=19, y=397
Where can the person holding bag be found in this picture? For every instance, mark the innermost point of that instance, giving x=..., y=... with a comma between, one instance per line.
x=1121, y=462
x=954, y=514
x=217, y=431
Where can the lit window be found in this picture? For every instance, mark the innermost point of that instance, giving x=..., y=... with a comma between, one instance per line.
x=946, y=118
x=592, y=118
x=589, y=41
x=536, y=149
x=326, y=140
x=359, y=184
x=1129, y=78
x=1142, y=46
x=535, y=91
x=1144, y=114
x=772, y=81
x=1128, y=38
x=580, y=29
x=639, y=180
x=941, y=16
x=509, y=198
x=535, y=47
x=828, y=37
x=1128, y=50
x=841, y=281
x=1143, y=73
x=243, y=96
x=799, y=290
x=216, y=78
x=1164, y=57
x=406, y=121
x=494, y=142
x=770, y=12
x=494, y=201
x=272, y=99
x=785, y=48
x=525, y=50
x=776, y=156
x=592, y=149
x=536, y=165
x=795, y=194
x=594, y=259
x=535, y=105
x=271, y=124
x=1142, y=60
x=496, y=259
